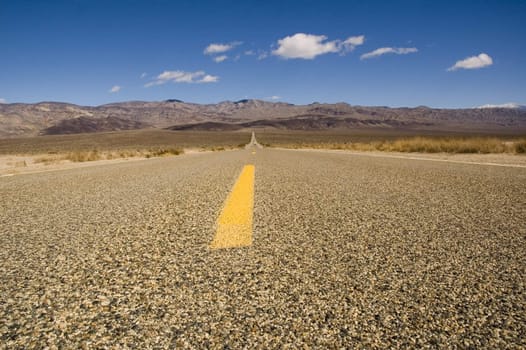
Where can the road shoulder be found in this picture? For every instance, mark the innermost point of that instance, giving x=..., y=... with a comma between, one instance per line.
x=502, y=160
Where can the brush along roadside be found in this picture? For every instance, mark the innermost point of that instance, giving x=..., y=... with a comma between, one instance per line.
x=481, y=145
x=93, y=155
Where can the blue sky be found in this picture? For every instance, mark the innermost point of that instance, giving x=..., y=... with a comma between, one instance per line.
x=394, y=53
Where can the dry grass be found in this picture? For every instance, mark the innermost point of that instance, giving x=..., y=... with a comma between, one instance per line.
x=421, y=144
x=520, y=146
x=123, y=141
x=154, y=143
x=223, y=148
x=163, y=152
x=87, y=156
x=115, y=145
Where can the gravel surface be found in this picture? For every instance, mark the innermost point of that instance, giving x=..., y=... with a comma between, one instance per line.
x=348, y=252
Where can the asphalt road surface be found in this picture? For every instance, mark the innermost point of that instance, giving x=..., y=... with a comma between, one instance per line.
x=347, y=251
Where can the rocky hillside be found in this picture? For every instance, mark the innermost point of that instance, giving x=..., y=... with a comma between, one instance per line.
x=304, y=122
x=90, y=124
x=19, y=119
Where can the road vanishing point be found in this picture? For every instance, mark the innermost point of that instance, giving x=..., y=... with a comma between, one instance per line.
x=264, y=248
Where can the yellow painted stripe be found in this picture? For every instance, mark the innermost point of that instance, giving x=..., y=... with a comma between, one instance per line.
x=234, y=225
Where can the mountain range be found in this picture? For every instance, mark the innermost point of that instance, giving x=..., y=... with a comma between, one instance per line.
x=20, y=119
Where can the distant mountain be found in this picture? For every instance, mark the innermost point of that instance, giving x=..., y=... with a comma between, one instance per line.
x=19, y=119
x=90, y=124
x=302, y=122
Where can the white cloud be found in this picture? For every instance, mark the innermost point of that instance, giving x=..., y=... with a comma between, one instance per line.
x=250, y=53
x=262, y=55
x=220, y=48
x=3, y=100
x=220, y=58
x=355, y=40
x=217, y=48
x=209, y=79
x=306, y=46
x=114, y=89
x=275, y=97
x=386, y=50
x=350, y=43
x=178, y=76
x=144, y=75
x=511, y=105
x=473, y=62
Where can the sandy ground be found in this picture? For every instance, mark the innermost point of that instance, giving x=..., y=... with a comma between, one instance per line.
x=11, y=165
x=16, y=165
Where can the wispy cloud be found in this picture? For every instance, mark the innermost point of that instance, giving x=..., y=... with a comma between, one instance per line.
x=352, y=42
x=220, y=48
x=220, y=58
x=308, y=46
x=249, y=53
x=178, y=76
x=209, y=79
x=511, y=105
x=262, y=55
x=473, y=62
x=114, y=89
x=274, y=98
x=144, y=75
x=388, y=50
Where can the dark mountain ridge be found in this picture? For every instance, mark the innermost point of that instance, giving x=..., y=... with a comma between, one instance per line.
x=89, y=124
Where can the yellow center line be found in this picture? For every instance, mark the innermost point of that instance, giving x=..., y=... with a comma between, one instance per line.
x=234, y=225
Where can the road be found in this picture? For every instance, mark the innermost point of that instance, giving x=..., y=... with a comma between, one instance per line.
x=347, y=251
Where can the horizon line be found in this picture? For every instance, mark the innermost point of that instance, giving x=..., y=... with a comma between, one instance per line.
x=173, y=100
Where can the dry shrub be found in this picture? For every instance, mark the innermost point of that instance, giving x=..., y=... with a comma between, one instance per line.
x=421, y=144
x=87, y=156
x=84, y=156
x=163, y=152
x=126, y=154
x=448, y=145
x=520, y=146
x=49, y=159
x=222, y=148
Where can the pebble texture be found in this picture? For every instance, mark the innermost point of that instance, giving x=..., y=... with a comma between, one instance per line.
x=348, y=252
